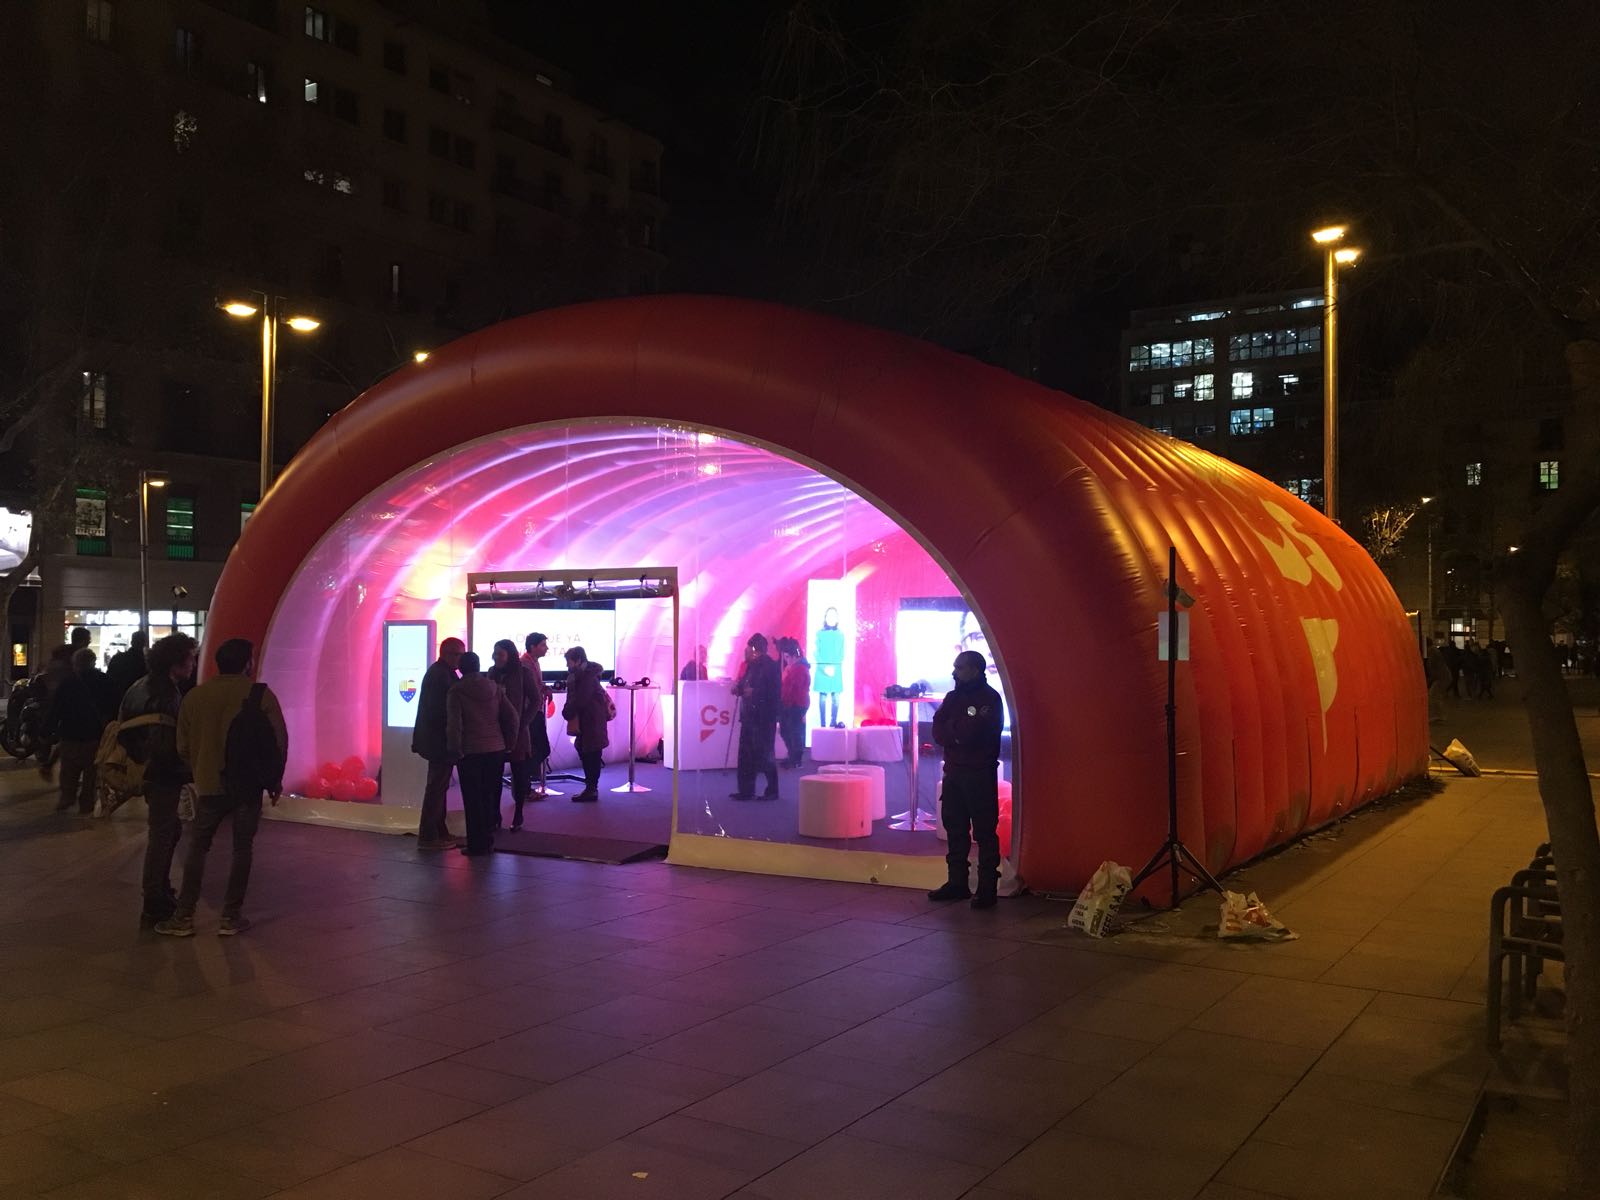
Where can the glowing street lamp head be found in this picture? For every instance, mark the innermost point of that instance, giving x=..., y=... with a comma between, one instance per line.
x=1346, y=255
x=1428, y=499
x=239, y=308
x=303, y=324
x=155, y=481
x=1327, y=234
x=420, y=356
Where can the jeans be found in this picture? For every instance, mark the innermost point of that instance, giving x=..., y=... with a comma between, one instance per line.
x=161, y=799
x=592, y=761
x=431, y=827
x=971, y=797
x=480, y=797
x=77, y=776
x=755, y=756
x=792, y=725
x=209, y=813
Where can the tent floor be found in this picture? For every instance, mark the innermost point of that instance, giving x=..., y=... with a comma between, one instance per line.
x=613, y=851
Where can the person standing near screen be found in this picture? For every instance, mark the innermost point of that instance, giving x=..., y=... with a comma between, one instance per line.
x=967, y=726
x=829, y=675
x=480, y=724
x=695, y=669
x=588, y=711
x=794, y=698
x=537, y=646
x=429, y=740
x=512, y=674
x=759, y=692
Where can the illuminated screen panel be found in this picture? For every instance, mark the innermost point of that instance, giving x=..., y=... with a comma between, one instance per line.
x=929, y=632
x=592, y=626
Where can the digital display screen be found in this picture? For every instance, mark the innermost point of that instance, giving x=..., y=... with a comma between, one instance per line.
x=929, y=632
x=407, y=652
x=592, y=625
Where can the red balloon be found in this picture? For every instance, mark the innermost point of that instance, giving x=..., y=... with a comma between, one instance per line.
x=344, y=789
x=353, y=768
x=316, y=788
x=366, y=789
x=328, y=770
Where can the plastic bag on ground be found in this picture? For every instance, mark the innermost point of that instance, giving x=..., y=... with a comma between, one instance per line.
x=1008, y=885
x=1461, y=758
x=1245, y=918
x=1100, y=899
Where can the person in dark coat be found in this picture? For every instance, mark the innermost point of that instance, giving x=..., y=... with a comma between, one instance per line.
x=429, y=739
x=128, y=666
x=480, y=724
x=968, y=725
x=759, y=690
x=78, y=715
x=795, y=698
x=538, y=733
x=527, y=698
x=159, y=694
x=588, y=711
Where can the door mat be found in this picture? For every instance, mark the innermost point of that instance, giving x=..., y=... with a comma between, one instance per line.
x=614, y=851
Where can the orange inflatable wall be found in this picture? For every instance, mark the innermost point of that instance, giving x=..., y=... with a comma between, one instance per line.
x=1304, y=695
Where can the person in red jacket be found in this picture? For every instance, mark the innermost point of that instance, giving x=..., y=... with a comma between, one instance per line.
x=794, y=698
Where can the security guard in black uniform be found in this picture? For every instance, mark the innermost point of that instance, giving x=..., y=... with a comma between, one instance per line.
x=968, y=726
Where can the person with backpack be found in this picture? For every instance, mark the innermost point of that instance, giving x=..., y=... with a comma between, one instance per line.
x=232, y=735
x=154, y=745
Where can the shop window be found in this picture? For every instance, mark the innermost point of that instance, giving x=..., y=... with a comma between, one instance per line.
x=180, y=527
x=97, y=20
x=1549, y=475
x=1475, y=474
x=89, y=522
x=92, y=410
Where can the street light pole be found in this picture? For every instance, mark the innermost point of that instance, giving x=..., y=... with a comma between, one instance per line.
x=1335, y=256
x=147, y=480
x=269, y=389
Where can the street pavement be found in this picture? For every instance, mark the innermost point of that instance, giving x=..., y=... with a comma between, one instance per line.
x=401, y=1024
x=1496, y=729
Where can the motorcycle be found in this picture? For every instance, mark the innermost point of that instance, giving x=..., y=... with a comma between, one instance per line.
x=23, y=731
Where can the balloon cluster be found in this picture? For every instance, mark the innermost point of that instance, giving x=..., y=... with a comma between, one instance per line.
x=342, y=781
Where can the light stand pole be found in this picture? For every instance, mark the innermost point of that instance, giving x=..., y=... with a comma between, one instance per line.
x=147, y=480
x=270, y=309
x=1335, y=256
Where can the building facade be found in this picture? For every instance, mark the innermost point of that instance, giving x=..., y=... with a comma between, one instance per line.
x=393, y=170
x=1241, y=378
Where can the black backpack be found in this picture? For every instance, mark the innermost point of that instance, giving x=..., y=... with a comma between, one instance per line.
x=252, y=760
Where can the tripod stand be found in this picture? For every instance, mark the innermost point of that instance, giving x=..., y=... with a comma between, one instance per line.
x=1173, y=852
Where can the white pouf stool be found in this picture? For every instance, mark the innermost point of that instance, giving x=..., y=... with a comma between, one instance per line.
x=880, y=807
x=833, y=745
x=938, y=808
x=835, y=806
x=880, y=743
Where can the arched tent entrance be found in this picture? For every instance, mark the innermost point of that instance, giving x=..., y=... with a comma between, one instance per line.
x=1304, y=694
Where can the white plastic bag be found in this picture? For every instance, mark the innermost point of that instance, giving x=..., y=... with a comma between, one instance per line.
x=1009, y=884
x=1100, y=899
x=1246, y=918
x=188, y=795
x=1461, y=758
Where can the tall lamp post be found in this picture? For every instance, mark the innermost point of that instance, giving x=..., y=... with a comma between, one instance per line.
x=1427, y=500
x=270, y=310
x=147, y=480
x=1336, y=256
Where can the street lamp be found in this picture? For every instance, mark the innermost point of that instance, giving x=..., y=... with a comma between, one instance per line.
x=1336, y=256
x=419, y=356
x=147, y=480
x=1427, y=500
x=270, y=308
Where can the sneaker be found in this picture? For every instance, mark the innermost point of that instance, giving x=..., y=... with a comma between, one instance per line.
x=176, y=926
x=950, y=891
x=232, y=926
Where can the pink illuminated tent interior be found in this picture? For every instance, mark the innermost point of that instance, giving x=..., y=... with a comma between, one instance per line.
x=753, y=448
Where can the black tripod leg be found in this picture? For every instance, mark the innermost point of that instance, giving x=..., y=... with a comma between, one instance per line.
x=1151, y=867
x=1198, y=870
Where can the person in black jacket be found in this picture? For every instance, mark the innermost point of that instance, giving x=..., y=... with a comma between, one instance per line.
x=78, y=714
x=758, y=689
x=159, y=694
x=429, y=738
x=126, y=668
x=967, y=726
x=588, y=712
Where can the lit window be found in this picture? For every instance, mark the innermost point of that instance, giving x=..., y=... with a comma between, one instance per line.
x=1205, y=350
x=1244, y=385
x=1550, y=474
x=97, y=18
x=245, y=509
x=1207, y=316
x=257, y=88
x=1288, y=384
x=313, y=92
x=1162, y=426
x=1308, y=490
x=89, y=521
x=1138, y=358
x=1474, y=474
x=92, y=412
x=1182, y=389
x=344, y=184
x=1205, y=387
x=317, y=24
x=1311, y=302
x=1242, y=422
x=180, y=526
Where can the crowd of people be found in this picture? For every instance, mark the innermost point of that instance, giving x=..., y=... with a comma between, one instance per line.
x=205, y=754
x=474, y=723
